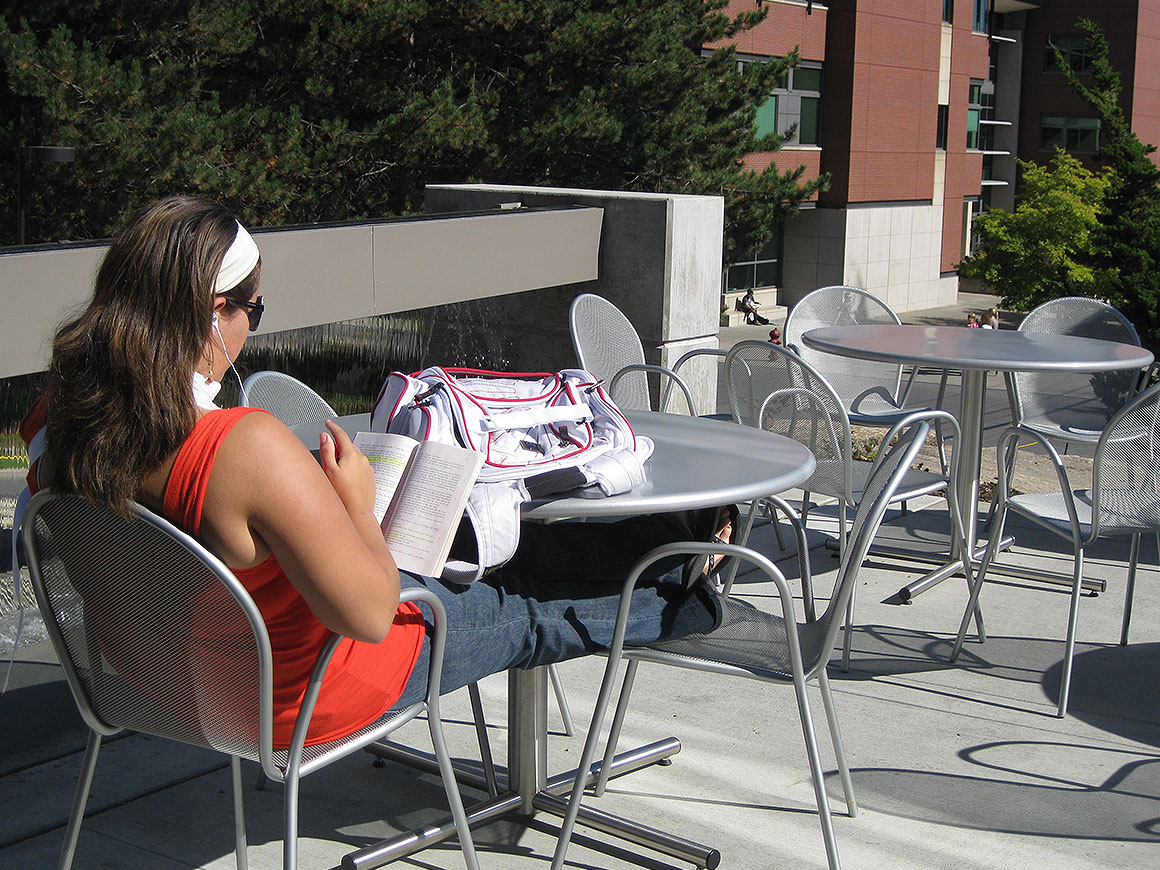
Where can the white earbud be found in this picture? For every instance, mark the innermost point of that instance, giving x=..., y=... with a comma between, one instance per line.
x=215, y=320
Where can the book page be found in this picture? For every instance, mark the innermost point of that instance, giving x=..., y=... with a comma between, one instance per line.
x=421, y=521
x=388, y=455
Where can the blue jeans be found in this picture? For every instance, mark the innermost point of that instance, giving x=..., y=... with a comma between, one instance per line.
x=557, y=599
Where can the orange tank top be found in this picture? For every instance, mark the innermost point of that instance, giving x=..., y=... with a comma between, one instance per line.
x=363, y=679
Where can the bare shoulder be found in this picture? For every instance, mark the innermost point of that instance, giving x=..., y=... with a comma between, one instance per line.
x=261, y=457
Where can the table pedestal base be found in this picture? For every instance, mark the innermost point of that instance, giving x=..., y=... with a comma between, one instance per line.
x=548, y=800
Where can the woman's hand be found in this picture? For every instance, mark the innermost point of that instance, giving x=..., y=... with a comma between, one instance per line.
x=347, y=469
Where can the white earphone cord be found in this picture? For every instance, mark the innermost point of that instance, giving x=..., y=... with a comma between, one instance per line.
x=241, y=387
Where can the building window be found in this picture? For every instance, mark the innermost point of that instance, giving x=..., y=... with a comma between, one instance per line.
x=766, y=119
x=944, y=117
x=949, y=11
x=1075, y=50
x=797, y=99
x=760, y=269
x=979, y=19
x=974, y=113
x=1069, y=133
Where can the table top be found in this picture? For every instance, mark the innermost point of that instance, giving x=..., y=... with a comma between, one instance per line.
x=697, y=463
x=960, y=347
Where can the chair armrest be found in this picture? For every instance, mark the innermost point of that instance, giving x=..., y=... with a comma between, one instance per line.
x=685, y=357
x=1006, y=455
x=804, y=569
x=322, y=662
x=660, y=370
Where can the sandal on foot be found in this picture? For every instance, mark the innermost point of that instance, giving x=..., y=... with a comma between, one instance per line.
x=714, y=525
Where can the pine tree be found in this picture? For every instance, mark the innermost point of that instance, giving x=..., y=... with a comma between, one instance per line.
x=296, y=111
x=1127, y=247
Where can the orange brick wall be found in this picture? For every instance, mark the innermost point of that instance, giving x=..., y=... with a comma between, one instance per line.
x=786, y=26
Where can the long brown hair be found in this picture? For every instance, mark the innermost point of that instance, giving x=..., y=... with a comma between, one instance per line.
x=119, y=386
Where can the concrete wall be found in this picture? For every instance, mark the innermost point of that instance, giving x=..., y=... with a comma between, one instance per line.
x=660, y=263
x=892, y=250
x=332, y=273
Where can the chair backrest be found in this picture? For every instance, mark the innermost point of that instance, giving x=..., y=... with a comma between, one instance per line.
x=154, y=633
x=605, y=342
x=771, y=387
x=887, y=475
x=843, y=306
x=1059, y=403
x=287, y=398
x=1126, y=469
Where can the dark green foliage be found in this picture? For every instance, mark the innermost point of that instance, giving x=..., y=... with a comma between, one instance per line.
x=295, y=111
x=1127, y=246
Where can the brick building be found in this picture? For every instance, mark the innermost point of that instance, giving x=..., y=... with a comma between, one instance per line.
x=917, y=109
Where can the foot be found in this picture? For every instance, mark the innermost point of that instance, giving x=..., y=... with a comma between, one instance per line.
x=714, y=525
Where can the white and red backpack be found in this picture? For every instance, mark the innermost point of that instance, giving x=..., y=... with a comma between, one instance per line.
x=540, y=434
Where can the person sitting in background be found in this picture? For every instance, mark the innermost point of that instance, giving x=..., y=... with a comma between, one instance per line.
x=990, y=320
x=129, y=414
x=972, y=320
x=775, y=336
x=749, y=305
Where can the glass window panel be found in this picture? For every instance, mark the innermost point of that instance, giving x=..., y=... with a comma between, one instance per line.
x=739, y=277
x=979, y=20
x=808, y=125
x=972, y=128
x=766, y=119
x=943, y=122
x=767, y=273
x=807, y=79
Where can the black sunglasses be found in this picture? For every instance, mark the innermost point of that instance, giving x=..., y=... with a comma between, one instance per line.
x=253, y=310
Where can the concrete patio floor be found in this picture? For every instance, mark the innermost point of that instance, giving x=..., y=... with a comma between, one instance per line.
x=954, y=766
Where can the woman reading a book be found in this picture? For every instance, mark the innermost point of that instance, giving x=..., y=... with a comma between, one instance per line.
x=128, y=413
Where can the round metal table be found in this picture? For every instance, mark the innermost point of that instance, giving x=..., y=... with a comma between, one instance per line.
x=697, y=462
x=976, y=352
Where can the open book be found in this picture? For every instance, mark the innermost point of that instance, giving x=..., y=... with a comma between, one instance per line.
x=422, y=488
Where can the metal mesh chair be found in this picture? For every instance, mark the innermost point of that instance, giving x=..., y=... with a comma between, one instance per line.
x=1124, y=499
x=770, y=647
x=773, y=388
x=287, y=398
x=607, y=345
x=294, y=403
x=1063, y=405
x=869, y=390
x=156, y=635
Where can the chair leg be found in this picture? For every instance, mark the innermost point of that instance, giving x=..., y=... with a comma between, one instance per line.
x=561, y=701
x=80, y=800
x=839, y=745
x=1130, y=592
x=848, y=631
x=827, y=822
x=568, y=823
x=451, y=785
x=239, y=813
x=977, y=587
x=290, y=821
x=617, y=724
x=481, y=737
x=1072, y=623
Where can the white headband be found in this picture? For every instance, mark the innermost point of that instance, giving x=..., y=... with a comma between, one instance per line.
x=238, y=262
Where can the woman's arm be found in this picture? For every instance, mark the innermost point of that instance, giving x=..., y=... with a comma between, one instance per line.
x=267, y=494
